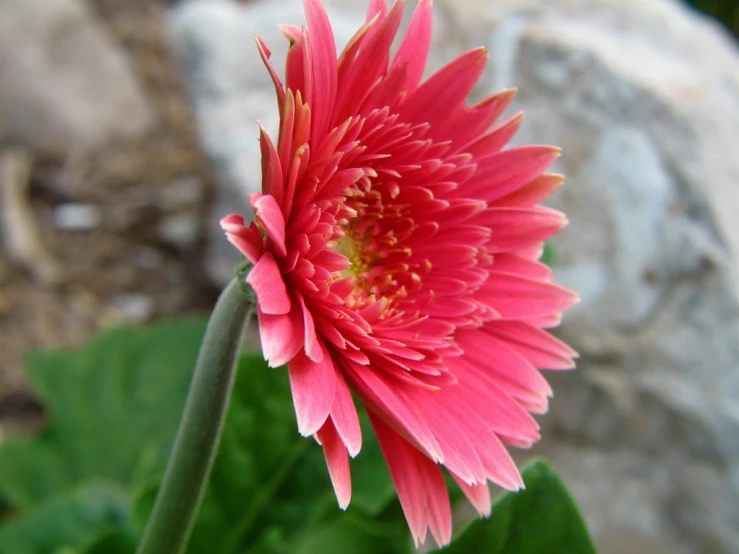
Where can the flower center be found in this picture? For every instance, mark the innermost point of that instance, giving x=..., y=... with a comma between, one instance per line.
x=347, y=246
x=379, y=263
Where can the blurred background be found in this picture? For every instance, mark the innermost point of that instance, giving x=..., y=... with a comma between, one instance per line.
x=127, y=129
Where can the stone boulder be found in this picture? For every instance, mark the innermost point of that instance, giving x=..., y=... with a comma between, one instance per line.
x=644, y=99
x=63, y=82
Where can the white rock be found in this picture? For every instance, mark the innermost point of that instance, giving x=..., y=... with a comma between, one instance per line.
x=181, y=229
x=133, y=307
x=63, y=82
x=76, y=217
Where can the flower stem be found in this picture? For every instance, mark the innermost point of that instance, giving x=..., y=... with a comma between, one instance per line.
x=195, y=446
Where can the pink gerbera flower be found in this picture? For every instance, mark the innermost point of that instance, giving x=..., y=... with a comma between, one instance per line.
x=395, y=256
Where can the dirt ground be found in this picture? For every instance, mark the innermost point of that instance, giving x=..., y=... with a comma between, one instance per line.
x=123, y=270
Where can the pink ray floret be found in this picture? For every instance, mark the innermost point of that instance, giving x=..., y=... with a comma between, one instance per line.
x=395, y=250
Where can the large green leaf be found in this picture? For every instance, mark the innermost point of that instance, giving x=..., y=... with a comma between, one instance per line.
x=269, y=485
x=113, y=410
x=542, y=519
x=67, y=521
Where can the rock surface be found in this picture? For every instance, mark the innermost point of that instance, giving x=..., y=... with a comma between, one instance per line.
x=644, y=99
x=63, y=82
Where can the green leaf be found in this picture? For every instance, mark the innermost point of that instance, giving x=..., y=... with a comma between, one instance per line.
x=116, y=541
x=549, y=256
x=67, y=521
x=356, y=533
x=542, y=519
x=269, y=484
x=113, y=411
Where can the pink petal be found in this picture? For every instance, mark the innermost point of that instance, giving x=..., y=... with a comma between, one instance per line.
x=506, y=171
x=313, y=386
x=312, y=347
x=298, y=77
x=266, y=280
x=323, y=65
x=533, y=192
x=515, y=297
x=512, y=263
x=483, y=396
x=513, y=372
x=445, y=90
x=539, y=347
x=466, y=124
x=265, y=54
x=337, y=461
x=376, y=7
x=271, y=219
x=414, y=49
x=496, y=139
x=245, y=238
x=387, y=399
x=420, y=485
x=281, y=336
x=370, y=63
x=515, y=228
x=272, y=177
x=344, y=416
x=478, y=495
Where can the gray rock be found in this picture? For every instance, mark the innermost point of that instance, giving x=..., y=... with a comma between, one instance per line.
x=132, y=307
x=181, y=230
x=644, y=99
x=63, y=82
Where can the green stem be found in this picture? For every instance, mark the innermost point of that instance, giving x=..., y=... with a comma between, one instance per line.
x=181, y=492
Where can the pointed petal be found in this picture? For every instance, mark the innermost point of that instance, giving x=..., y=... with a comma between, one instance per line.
x=313, y=386
x=344, y=416
x=495, y=140
x=532, y=192
x=323, y=65
x=312, y=347
x=516, y=228
x=337, y=461
x=445, y=90
x=414, y=49
x=245, y=238
x=273, y=180
x=281, y=336
x=266, y=280
x=539, y=347
x=478, y=495
x=269, y=215
x=420, y=485
x=506, y=171
x=376, y=7
x=265, y=54
x=515, y=297
x=388, y=400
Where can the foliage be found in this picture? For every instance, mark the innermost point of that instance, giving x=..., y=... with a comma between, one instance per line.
x=542, y=519
x=726, y=11
x=86, y=483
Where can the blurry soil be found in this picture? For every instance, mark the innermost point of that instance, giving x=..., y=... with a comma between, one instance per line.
x=124, y=269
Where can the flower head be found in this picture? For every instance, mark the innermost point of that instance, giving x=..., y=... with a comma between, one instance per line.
x=395, y=255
